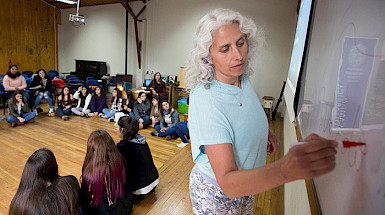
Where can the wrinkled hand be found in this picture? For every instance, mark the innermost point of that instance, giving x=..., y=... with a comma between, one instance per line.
x=310, y=160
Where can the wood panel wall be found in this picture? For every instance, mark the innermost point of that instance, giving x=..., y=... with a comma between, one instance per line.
x=28, y=35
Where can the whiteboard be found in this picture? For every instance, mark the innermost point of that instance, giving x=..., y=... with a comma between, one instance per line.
x=343, y=92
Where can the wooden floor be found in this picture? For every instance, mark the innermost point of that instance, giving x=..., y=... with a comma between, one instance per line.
x=68, y=139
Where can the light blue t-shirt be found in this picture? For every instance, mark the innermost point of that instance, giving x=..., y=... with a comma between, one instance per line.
x=228, y=114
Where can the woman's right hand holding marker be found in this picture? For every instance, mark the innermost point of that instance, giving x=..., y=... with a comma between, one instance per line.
x=310, y=160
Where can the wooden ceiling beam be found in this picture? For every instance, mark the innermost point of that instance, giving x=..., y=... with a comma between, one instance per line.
x=135, y=17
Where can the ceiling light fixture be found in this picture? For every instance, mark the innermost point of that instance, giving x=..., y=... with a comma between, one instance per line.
x=67, y=1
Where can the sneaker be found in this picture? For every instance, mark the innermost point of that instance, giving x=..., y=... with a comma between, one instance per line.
x=168, y=137
x=112, y=119
x=51, y=110
x=13, y=124
x=65, y=118
x=35, y=110
x=102, y=115
x=181, y=144
x=86, y=115
x=154, y=133
x=91, y=114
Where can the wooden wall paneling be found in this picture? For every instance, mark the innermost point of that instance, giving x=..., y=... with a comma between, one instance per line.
x=27, y=35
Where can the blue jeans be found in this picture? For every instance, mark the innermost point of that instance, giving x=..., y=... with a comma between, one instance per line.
x=60, y=112
x=182, y=131
x=46, y=96
x=106, y=111
x=26, y=116
x=145, y=118
x=170, y=131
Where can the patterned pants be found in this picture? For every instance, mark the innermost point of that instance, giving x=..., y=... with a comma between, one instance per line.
x=208, y=198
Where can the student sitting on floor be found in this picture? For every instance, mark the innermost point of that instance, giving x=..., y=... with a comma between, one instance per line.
x=65, y=103
x=155, y=114
x=142, y=110
x=181, y=128
x=43, y=88
x=116, y=101
x=98, y=102
x=105, y=187
x=127, y=107
x=170, y=117
x=134, y=148
x=42, y=191
x=84, y=99
x=19, y=110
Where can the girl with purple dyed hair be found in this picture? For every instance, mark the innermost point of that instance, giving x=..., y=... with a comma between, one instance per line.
x=104, y=186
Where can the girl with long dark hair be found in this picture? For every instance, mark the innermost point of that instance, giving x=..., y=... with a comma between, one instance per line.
x=98, y=102
x=170, y=117
x=84, y=99
x=134, y=148
x=158, y=87
x=156, y=112
x=105, y=189
x=142, y=110
x=116, y=101
x=18, y=110
x=42, y=191
x=43, y=84
x=65, y=103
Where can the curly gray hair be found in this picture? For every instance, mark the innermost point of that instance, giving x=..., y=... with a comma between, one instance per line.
x=198, y=69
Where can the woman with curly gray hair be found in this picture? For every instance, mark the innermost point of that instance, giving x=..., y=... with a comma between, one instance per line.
x=228, y=127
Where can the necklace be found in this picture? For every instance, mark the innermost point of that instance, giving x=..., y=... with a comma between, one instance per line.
x=240, y=86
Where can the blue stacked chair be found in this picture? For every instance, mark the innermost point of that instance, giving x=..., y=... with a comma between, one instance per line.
x=73, y=82
x=28, y=73
x=92, y=82
x=52, y=74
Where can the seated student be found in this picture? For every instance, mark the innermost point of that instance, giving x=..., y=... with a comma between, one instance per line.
x=142, y=110
x=181, y=128
x=43, y=83
x=42, y=191
x=158, y=87
x=170, y=117
x=65, y=103
x=134, y=148
x=98, y=102
x=155, y=114
x=13, y=81
x=126, y=108
x=84, y=99
x=116, y=101
x=19, y=110
x=105, y=187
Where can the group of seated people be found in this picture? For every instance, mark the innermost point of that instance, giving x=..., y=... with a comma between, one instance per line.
x=112, y=176
x=157, y=114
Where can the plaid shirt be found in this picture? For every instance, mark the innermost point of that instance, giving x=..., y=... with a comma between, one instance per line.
x=114, y=105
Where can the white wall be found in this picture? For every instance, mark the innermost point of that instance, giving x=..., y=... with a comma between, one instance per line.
x=171, y=24
x=102, y=38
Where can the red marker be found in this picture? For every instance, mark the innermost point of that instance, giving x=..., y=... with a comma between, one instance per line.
x=348, y=144
x=341, y=144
